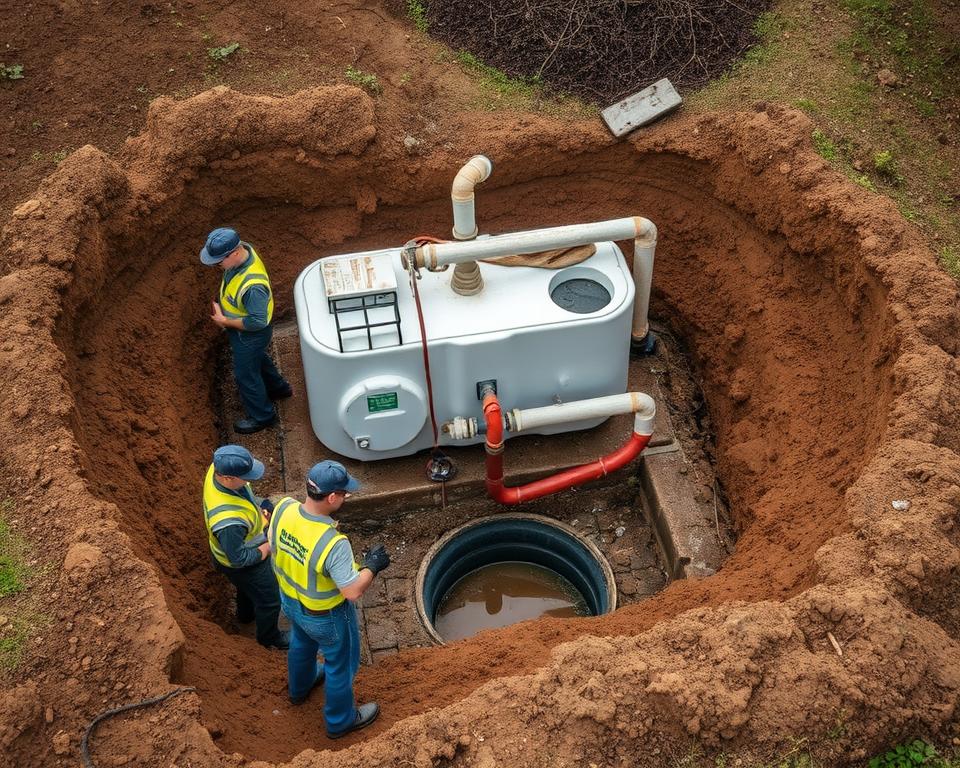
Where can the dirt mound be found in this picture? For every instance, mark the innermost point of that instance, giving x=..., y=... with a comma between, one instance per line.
x=824, y=332
x=600, y=50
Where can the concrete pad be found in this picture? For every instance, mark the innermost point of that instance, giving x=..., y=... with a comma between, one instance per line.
x=387, y=483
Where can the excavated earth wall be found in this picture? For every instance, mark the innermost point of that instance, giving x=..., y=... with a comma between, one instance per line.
x=825, y=335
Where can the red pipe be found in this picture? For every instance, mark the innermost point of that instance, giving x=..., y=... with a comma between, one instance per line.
x=493, y=416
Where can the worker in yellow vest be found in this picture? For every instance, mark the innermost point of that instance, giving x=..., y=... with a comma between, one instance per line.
x=244, y=310
x=319, y=581
x=238, y=543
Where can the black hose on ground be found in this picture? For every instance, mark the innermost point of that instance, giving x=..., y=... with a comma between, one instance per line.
x=85, y=741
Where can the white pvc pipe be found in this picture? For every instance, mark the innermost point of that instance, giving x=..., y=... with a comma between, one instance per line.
x=644, y=247
x=583, y=410
x=435, y=255
x=477, y=169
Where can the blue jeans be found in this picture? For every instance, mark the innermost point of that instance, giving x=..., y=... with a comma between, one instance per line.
x=337, y=636
x=256, y=375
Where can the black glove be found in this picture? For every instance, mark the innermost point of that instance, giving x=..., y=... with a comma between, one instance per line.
x=377, y=559
x=266, y=506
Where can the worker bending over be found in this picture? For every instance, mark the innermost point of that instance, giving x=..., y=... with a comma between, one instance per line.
x=245, y=310
x=238, y=543
x=319, y=581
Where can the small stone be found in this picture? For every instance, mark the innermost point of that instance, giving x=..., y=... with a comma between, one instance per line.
x=886, y=78
x=48, y=715
x=619, y=531
x=86, y=661
x=276, y=711
x=901, y=505
x=24, y=210
x=61, y=743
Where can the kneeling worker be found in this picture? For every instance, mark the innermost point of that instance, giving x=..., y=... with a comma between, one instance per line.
x=319, y=581
x=235, y=533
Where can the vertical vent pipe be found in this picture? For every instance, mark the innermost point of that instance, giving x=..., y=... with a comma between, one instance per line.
x=467, y=279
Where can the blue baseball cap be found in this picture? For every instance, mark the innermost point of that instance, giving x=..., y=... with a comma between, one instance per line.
x=236, y=461
x=220, y=244
x=329, y=476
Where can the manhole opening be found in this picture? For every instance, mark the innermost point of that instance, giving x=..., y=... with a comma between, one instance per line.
x=503, y=569
x=580, y=295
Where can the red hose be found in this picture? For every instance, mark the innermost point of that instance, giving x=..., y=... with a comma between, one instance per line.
x=558, y=482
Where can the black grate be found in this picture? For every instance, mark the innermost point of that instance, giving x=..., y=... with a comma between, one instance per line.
x=379, y=303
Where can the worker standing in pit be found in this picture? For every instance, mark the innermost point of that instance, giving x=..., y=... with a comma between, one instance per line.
x=235, y=520
x=245, y=310
x=319, y=581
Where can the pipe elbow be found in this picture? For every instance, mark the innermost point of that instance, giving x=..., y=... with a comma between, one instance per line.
x=646, y=231
x=476, y=170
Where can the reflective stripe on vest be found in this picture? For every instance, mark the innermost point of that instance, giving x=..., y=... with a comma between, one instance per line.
x=221, y=509
x=299, y=546
x=231, y=294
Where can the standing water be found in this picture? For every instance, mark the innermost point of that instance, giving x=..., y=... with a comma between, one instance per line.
x=500, y=594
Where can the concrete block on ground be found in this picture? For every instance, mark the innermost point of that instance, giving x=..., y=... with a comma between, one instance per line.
x=688, y=542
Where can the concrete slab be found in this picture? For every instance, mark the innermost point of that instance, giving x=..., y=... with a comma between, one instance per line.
x=386, y=483
x=641, y=108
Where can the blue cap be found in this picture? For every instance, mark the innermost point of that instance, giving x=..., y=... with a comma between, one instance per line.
x=220, y=244
x=236, y=461
x=329, y=476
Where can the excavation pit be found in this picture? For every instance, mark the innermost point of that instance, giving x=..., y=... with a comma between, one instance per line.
x=827, y=378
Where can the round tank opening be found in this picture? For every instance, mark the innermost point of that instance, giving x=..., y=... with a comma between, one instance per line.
x=500, y=570
x=581, y=290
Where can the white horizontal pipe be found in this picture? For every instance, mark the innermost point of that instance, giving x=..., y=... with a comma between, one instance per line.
x=476, y=170
x=435, y=255
x=644, y=247
x=582, y=410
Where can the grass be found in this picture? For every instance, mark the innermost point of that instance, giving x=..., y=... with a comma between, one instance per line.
x=914, y=754
x=19, y=617
x=492, y=79
x=11, y=71
x=365, y=80
x=417, y=12
x=892, y=132
x=223, y=52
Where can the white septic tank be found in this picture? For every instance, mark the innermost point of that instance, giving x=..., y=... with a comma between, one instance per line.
x=543, y=335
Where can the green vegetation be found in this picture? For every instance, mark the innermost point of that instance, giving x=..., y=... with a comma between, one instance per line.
x=59, y=156
x=494, y=80
x=417, y=12
x=368, y=82
x=221, y=53
x=768, y=27
x=11, y=72
x=13, y=567
x=884, y=164
x=824, y=146
x=911, y=755
x=949, y=258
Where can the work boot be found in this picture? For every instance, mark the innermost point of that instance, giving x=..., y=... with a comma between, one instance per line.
x=281, y=394
x=281, y=642
x=321, y=676
x=366, y=714
x=247, y=426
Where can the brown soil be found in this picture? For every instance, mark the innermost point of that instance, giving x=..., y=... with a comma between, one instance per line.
x=824, y=333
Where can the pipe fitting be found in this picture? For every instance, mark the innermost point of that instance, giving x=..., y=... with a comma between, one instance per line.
x=477, y=170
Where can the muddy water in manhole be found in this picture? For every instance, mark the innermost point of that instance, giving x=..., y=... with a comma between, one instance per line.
x=504, y=593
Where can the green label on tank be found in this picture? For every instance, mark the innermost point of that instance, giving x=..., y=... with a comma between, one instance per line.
x=385, y=401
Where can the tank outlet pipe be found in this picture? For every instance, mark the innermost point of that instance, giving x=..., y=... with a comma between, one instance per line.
x=582, y=410
x=434, y=256
x=493, y=416
x=644, y=246
x=477, y=169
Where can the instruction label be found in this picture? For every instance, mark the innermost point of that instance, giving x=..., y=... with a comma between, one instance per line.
x=385, y=401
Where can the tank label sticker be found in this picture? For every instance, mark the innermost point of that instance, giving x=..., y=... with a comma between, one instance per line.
x=385, y=401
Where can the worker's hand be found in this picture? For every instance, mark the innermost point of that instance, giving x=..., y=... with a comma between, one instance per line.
x=264, y=550
x=377, y=559
x=218, y=317
x=266, y=508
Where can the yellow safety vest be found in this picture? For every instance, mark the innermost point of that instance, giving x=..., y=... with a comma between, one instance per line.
x=299, y=545
x=231, y=294
x=221, y=509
